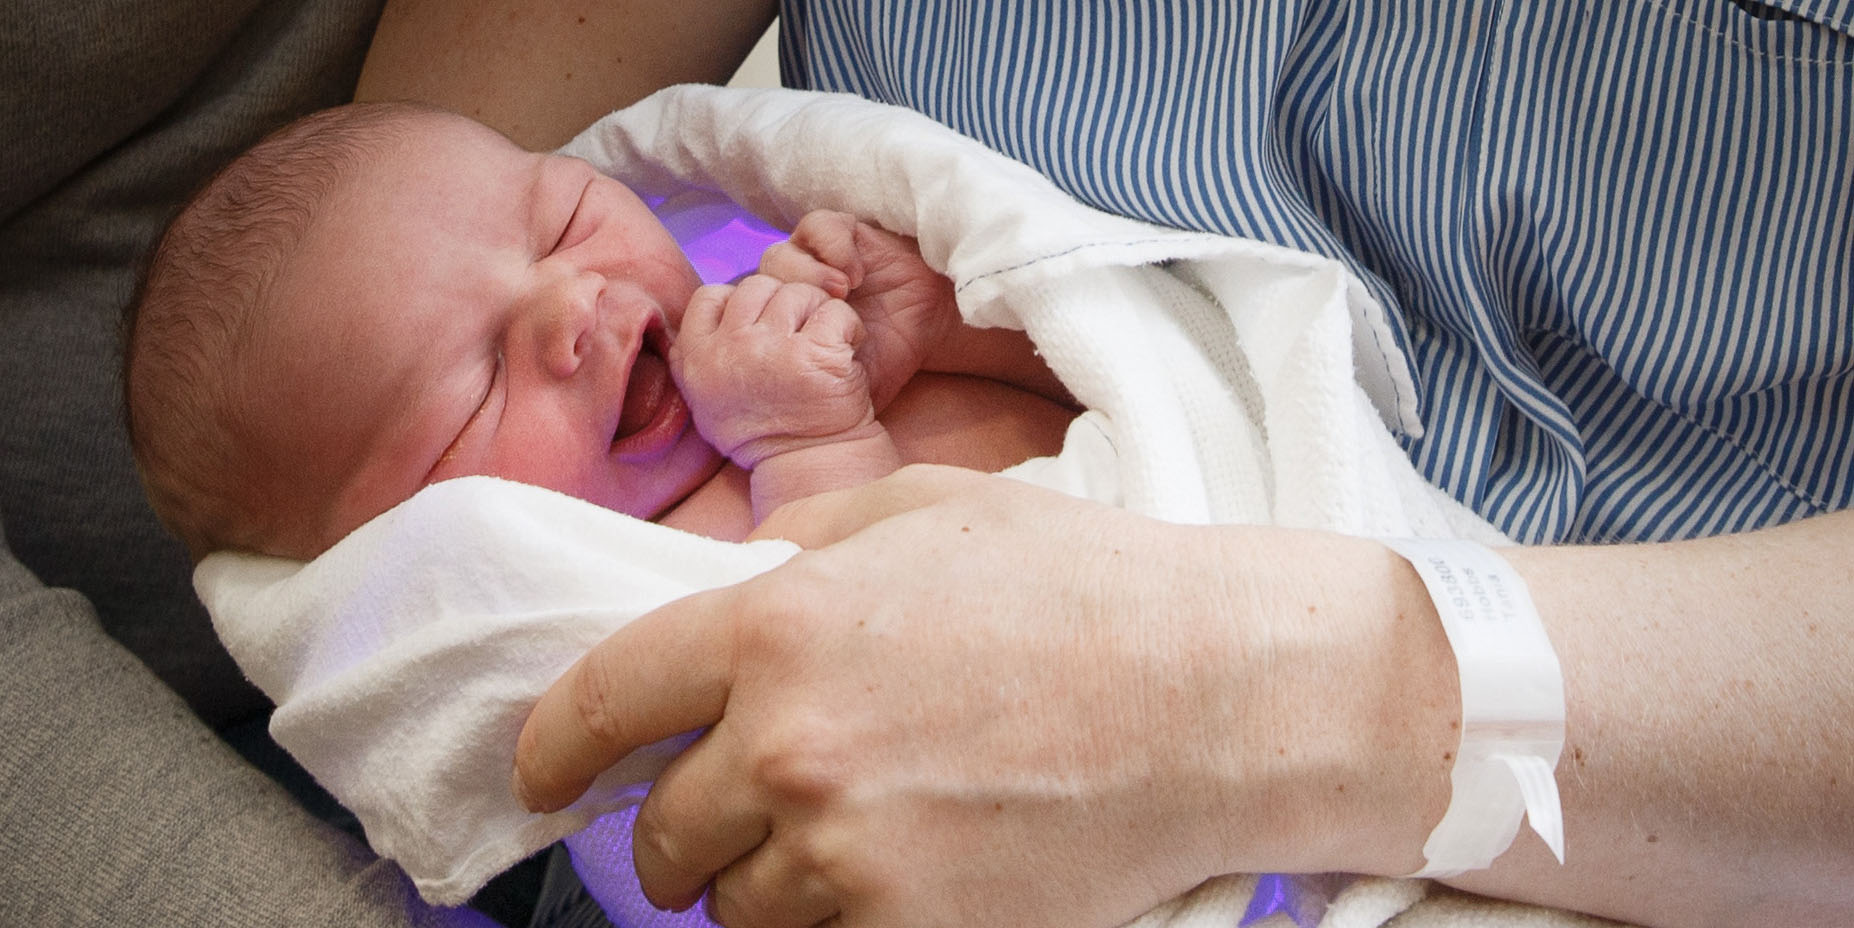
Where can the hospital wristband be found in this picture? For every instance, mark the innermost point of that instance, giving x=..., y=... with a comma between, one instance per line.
x=1512, y=707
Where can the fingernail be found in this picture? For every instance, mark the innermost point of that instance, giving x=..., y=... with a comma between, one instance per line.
x=519, y=788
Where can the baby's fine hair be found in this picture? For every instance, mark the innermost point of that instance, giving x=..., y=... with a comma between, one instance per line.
x=188, y=330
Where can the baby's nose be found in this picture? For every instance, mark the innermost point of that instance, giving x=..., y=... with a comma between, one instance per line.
x=559, y=319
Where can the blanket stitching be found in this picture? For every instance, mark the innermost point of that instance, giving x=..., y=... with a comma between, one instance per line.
x=1061, y=254
x=1376, y=340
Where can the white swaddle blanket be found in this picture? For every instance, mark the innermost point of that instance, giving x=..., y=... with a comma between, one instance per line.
x=1235, y=382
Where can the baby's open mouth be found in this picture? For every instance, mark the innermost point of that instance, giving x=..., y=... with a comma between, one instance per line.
x=643, y=395
x=653, y=416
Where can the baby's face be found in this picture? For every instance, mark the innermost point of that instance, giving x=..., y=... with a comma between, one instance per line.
x=466, y=307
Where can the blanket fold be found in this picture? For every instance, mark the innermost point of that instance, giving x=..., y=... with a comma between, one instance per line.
x=1227, y=381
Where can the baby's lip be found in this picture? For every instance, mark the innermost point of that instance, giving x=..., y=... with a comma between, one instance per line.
x=654, y=414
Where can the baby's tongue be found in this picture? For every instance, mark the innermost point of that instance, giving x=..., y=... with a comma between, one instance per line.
x=644, y=394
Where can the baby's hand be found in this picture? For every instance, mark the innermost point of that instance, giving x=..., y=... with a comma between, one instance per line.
x=769, y=366
x=906, y=306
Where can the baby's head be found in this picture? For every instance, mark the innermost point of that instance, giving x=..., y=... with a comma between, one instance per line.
x=379, y=297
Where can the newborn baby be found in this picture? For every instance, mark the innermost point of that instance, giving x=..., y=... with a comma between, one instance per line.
x=379, y=297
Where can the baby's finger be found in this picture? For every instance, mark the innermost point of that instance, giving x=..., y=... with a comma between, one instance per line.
x=793, y=264
x=703, y=314
x=831, y=237
x=833, y=322
x=796, y=265
x=792, y=307
x=748, y=301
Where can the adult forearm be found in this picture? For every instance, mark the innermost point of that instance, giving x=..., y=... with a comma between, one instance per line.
x=118, y=807
x=1708, y=773
x=541, y=72
x=1053, y=697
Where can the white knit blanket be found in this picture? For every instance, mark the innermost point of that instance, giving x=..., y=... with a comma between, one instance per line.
x=1233, y=381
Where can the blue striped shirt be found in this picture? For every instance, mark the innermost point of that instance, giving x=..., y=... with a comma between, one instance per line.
x=1618, y=234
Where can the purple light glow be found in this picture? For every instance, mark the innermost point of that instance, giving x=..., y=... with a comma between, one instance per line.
x=1303, y=899
x=723, y=241
x=1272, y=892
x=602, y=858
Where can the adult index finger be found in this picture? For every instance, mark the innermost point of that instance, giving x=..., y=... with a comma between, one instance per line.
x=666, y=673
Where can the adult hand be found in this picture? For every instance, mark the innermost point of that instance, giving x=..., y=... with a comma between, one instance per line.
x=982, y=703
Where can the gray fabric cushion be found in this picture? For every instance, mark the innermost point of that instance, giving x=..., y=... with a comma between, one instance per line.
x=118, y=807
x=110, y=113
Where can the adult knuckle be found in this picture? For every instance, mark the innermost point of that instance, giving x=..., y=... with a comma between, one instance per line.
x=595, y=694
x=777, y=610
x=819, y=864
x=794, y=769
x=652, y=842
x=733, y=904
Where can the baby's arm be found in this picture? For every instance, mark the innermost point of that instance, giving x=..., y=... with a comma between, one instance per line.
x=772, y=376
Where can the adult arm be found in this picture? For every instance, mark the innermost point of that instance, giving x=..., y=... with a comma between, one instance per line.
x=541, y=72
x=118, y=807
x=1709, y=765
x=1073, y=713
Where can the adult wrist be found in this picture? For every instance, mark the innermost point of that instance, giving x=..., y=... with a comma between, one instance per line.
x=1359, y=682
x=1407, y=710
x=1512, y=698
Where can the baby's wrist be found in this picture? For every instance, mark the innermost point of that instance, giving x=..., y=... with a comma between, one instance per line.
x=796, y=468
x=754, y=453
